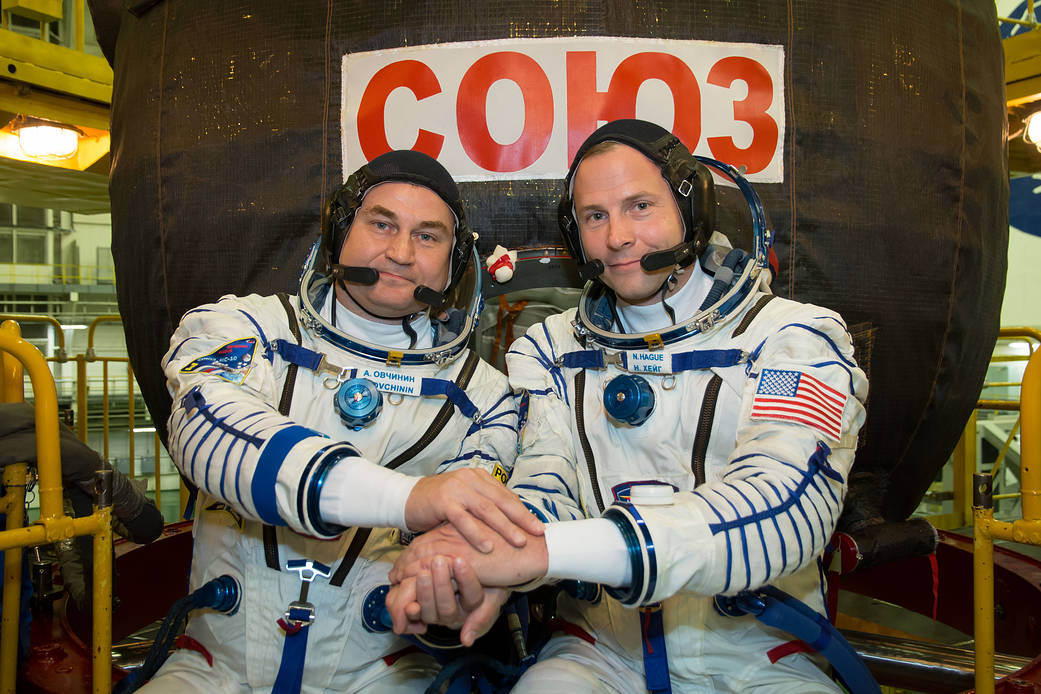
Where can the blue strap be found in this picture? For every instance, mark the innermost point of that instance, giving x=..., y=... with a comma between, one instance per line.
x=584, y=359
x=776, y=608
x=655, y=658
x=295, y=354
x=189, y=506
x=291, y=670
x=439, y=386
x=705, y=359
x=681, y=361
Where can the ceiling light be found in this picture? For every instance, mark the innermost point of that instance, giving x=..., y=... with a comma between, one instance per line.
x=48, y=140
x=1032, y=129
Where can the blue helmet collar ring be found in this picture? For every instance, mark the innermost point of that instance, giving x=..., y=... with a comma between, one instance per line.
x=316, y=288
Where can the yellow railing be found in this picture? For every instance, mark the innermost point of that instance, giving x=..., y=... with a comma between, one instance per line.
x=82, y=381
x=1032, y=23
x=986, y=529
x=963, y=460
x=56, y=273
x=53, y=525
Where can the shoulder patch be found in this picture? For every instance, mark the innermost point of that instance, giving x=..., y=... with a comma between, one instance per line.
x=232, y=361
x=796, y=396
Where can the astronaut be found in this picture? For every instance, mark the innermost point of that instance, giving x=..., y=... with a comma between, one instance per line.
x=325, y=428
x=693, y=432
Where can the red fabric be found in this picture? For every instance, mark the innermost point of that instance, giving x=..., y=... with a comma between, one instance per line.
x=558, y=624
x=503, y=261
x=290, y=630
x=645, y=620
x=796, y=646
x=185, y=641
x=396, y=655
x=936, y=582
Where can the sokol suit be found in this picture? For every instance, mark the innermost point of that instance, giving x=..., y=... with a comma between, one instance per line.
x=227, y=367
x=755, y=424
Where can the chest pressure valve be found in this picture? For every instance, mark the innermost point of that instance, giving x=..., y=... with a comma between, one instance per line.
x=629, y=399
x=358, y=402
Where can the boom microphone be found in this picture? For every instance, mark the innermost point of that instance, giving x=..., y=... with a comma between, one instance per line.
x=591, y=270
x=681, y=254
x=355, y=274
x=426, y=295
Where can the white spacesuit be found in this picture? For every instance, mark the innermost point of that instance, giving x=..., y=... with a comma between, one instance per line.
x=748, y=410
x=271, y=400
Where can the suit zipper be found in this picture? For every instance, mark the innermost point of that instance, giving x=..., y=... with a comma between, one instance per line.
x=705, y=420
x=580, y=387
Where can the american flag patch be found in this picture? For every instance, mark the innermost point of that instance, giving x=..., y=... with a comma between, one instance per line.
x=794, y=396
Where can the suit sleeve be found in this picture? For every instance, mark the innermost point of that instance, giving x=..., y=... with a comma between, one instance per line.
x=777, y=503
x=226, y=435
x=490, y=442
x=545, y=476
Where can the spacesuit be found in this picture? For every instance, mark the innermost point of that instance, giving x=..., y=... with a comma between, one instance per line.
x=715, y=441
x=270, y=397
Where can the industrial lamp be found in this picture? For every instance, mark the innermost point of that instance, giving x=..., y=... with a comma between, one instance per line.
x=1032, y=129
x=44, y=139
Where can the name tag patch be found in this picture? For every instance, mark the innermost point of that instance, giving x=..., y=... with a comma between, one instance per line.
x=389, y=381
x=649, y=362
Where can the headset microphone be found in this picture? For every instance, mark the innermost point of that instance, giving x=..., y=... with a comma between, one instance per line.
x=591, y=270
x=355, y=274
x=681, y=254
x=426, y=295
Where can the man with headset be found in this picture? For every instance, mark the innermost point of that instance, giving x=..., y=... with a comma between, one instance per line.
x=694, y=431
x=313, y=427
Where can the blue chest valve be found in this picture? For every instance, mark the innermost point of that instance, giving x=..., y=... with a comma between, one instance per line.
x=376, y=619
x=358, y=402
x=374, y=615
x=629, y=399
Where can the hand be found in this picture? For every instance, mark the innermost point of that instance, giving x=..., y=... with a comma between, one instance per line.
x=504, y=566
x=461, y=497
x=431, y=598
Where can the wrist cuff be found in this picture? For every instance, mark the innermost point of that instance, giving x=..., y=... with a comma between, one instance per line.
x=641, y=555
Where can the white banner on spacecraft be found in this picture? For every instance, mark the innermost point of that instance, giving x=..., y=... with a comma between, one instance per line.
x=519, y=108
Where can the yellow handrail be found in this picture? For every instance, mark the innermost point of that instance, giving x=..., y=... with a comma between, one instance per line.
x=986, y=529
x=36, y=318
x=1032, y=22
x=93, y=326
x=53, y=524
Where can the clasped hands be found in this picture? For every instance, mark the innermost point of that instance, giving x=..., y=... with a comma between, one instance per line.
x=457, y=574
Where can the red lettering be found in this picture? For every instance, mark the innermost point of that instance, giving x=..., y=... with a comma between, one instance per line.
x=751, y=110
x=586, y=105
x=472, y=111
x=686, y=94
x=372, y=133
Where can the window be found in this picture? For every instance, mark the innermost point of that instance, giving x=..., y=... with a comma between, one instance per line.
x=30, y=249
x=31, y=217
x=106, y=267
x=6, y=246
